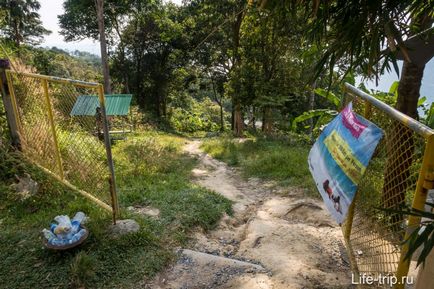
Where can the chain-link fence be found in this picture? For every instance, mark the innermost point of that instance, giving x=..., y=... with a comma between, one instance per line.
x=74, y=147
x=393, y=179
x=3, y=124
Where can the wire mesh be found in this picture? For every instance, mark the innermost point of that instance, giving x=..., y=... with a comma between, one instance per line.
x=70, y=146
x=389, y=182
x=3, y=125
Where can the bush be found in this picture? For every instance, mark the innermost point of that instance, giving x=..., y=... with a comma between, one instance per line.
x=200, y=116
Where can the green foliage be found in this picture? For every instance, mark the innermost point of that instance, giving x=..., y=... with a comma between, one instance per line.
x=151, y=50
x=357, y=32
x=394, y=88
x=269, y=74
x=422, y=235
x=322, y=117
x=21, y=22
x=330, y=96
x=427, y=116
x=429, y=120
x=4, y=131
x=53, y=61
x=79, y=20
x=319, y=117
x=281, y=160
x=60, y=63
x=198, y=116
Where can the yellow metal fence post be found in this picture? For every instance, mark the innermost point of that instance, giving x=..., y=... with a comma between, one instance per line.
x=14, y=103
x=53, y=128
x=425, y=181
x=368, y=110
x=350, y=216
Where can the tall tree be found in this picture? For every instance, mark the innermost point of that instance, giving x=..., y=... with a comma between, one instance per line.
x=97, y=20
x=103, y=44
x=155, y=46
x=218, y=43
x=22, y=23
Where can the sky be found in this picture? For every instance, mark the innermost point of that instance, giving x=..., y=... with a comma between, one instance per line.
x=387, y=80
x=50, y=9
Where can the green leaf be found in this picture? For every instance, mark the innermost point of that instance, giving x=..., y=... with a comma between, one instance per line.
x=428, y=246
x=430, y=117
x=330, y=96
x=421, y=101
x=415, y=240
x=418, y=240
x=394, y=87
x=309, y=115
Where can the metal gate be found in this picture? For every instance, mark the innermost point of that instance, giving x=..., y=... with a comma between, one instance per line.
x=74, y=149
x=400, y=173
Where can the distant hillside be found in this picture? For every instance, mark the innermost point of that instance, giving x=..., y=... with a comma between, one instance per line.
x=54, y=61
x=90, y=58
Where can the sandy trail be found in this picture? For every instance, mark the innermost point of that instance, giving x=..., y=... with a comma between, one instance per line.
x=276, y=239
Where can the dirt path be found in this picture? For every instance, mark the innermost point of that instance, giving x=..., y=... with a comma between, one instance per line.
x=275, y=239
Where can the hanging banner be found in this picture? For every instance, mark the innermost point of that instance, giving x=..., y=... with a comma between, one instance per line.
x=338, y=159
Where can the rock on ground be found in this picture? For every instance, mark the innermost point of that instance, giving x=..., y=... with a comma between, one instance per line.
x=123, y=227
x=26, y=187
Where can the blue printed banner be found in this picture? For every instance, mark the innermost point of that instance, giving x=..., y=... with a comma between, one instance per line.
x=339, y=158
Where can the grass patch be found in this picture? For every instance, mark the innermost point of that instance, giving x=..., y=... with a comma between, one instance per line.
x=154, y=171
x=280, y=160
x=151, y=170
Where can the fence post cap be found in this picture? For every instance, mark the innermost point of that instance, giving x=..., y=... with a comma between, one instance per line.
x=4, y=63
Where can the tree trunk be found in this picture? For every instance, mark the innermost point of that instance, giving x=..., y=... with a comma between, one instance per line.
x=126, y=84
x=220, y=104
x=238, y=121
x=400, y=146
x=103, y=45
x=266, y=121
x=238, y=125
x=400, y=149
x=17, y=36
x=254, y=118
x=222, y=121
x=409, y=87
x=161, y=86
x=233, y=117
x=125, y=67
x=312, y=107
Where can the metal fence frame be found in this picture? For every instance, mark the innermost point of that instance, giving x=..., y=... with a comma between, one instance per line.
x=114, y=208
x=424, y=183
